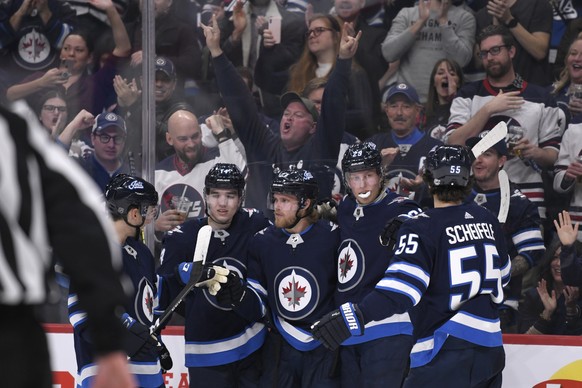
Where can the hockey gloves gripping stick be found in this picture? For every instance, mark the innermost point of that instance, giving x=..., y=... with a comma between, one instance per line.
x=339, y=325
x=211, y=277
x=232, y=292
x=390, y=231
x=138, y=342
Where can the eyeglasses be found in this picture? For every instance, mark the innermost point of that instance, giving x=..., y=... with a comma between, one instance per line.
x=494, y=51
x=316, y=31
x=106, y=138
x=52, y=108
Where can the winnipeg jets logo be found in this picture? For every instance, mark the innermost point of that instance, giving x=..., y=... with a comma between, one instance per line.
x=294, y=240
x=294, y=292
x=130, y=251
x=347, y=263
x=221, y=234
x=480, y=199
x=297, y=293
x=403, y=149
x=145, y=301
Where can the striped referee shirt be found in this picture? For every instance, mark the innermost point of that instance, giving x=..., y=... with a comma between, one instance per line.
x=49, y=205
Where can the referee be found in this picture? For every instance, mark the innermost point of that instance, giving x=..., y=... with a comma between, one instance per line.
x=49, y=208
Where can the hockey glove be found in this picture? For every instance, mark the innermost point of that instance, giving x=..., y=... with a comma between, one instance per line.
x=211, y=278
x=327, y=210
x=232, y=292
x=339, y=325
x=138, y=341
x=164, y=355
x=390, y=231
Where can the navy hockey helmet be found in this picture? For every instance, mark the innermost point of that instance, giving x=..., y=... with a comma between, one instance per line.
x=300, y=183
x=224, y=176
x=125, y=192
x=448, y=165
x=362, y=156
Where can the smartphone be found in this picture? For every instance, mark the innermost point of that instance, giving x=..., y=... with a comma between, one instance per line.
x=230, y=6
x=275, y=28
x=67, y=67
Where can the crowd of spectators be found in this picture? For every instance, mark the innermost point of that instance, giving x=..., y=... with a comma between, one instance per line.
x=268, y=97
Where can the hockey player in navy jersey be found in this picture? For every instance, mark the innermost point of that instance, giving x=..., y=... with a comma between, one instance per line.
x=522, y=229
x=222, y=348
x=291, y=281
x=380, y=356
x=131, y=201
x=450, y=264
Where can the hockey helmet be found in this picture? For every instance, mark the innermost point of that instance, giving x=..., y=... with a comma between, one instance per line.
x=125, y=192
x=448, y=165
x=224, y=176
x=300, y=183
x=361, y=156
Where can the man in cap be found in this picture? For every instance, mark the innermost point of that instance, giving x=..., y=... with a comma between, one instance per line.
x=522, y=229
x=404, y=147
x=306, y=140
x=108, y=137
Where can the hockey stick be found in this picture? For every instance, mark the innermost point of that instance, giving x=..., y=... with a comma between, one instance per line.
x=499, y=132
x=202, y=242
x=505, y=196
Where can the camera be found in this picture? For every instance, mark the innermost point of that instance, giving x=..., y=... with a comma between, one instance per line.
x=66, y=65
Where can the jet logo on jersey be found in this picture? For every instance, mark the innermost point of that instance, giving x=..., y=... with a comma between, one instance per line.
x=294, y=240
x=350, y=265
x=297, y=293
x=144, y=302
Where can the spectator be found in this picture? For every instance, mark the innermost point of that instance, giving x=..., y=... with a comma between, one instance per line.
x=32, y=35
x=291, y=296
x=446, y=78
x=168, y=101
x=318, y=60
x=570, y=261
x=505, y=96
x=404, y=148
x=63, y=217
x=52, y=112
x=568, y=178
x=571, y=76
x=522, y=229
x=182, y=174
x=573, y=32
x=83, y=90
x=108, y=139
x=222, y=348
x=174, y=40
x=530, y=24
x=553, y=307
x=131, y=203
x=566, y=13
x=380, y=356
x=304, y=140
x=422, y=35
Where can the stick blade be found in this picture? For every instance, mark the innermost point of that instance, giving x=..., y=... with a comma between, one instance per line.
x=505, y=196
x=202, y=243
x=499, y=132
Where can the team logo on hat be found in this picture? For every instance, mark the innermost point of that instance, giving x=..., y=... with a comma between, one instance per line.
x=160, y=61
x=111, y=117
x=402, y=86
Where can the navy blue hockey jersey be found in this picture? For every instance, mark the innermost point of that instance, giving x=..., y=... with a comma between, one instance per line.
x=214, y=334
x=522, y=231
x=451, y=264
x=139, y=267
x=362, y=260
x=294, y=274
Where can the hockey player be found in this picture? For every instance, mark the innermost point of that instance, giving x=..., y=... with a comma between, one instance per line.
x=292, y=274
x=221, y=347
x=450, y=263
x=522, y=231
x=131, y=201
x=380, y=356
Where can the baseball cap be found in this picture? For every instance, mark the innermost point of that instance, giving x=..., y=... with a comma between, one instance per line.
x=166, y=66
x=290, y=97
x=500, y=146
x=108, y=119
x=404, y=89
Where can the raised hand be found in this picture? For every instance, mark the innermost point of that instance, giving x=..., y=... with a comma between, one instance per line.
x=549, y=301
x=127, y=92
x=499, y=9
x=102, y=4
x=423, y=10
x=212, y=35
x=566, y=232
x=348, y=44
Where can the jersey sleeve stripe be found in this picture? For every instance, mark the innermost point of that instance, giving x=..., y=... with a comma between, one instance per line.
x=410, y=270
x=400, y=287
x=533, y=234
x=77, y=318
x=257, y=287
